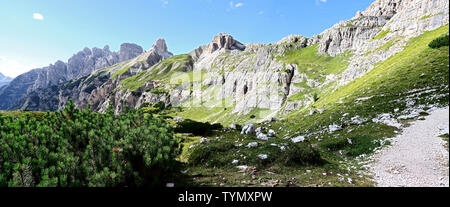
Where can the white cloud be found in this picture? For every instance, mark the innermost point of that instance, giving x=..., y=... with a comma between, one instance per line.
x=239, y=4
x=233, y=5
x=38, y=16
x=321, y=1
x=13, y=68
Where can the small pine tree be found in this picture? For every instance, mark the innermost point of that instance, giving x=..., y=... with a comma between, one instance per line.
x=315, y=97
x=439, y=42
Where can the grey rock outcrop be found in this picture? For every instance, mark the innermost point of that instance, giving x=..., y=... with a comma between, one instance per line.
x=349, y=35
x=407, y=16
x=224, y=41
x=303, y=41
x=385, y=8
x=129, y=51
x=411, y=19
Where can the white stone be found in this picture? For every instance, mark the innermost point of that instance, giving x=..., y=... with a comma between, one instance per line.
x=252, y=144
x=334, y=127
x=242, y=167
x=298, y=139
x=248, y=129
x=262, y=136
x=271, y=133
x=349, y=141
x=262, y=156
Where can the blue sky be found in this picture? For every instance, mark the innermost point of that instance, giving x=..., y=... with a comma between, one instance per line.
x=39, y=32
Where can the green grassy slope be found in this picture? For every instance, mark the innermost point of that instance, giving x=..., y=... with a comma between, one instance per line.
x=315, y=66
x=161, y=71
x=417, y=77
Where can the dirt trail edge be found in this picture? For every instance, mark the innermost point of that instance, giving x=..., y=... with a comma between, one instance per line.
x=417, y=157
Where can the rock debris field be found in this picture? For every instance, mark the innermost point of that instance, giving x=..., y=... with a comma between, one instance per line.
x=417, y=157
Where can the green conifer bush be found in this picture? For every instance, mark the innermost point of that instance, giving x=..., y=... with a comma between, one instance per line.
x=76, y=147
x=439, y=42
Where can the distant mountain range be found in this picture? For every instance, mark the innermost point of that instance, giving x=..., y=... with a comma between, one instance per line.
x=80, y=64
x=4, y=80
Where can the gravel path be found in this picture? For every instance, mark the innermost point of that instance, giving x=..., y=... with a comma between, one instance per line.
x=417, y=157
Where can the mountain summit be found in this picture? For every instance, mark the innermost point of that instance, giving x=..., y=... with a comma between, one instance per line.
x=160, y=47
x=224, y=41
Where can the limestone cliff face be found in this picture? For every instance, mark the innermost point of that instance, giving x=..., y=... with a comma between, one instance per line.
x=81, y=64
x=387, y=8
x=402, y=17
x=239, y=79
x=409, y=19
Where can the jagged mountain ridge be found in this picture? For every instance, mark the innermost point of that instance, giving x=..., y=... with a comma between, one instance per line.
x=80, y=64
x=272, y=80
x=93, y=88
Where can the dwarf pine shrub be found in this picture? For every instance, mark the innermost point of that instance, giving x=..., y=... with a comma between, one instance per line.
x=439, y=42
x=76, y=147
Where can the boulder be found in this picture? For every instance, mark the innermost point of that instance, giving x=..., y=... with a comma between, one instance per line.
x=271, y=133
x=262, y=136
x=248, y=129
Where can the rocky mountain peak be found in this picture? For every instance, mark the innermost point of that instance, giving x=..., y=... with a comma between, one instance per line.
x=359, y=14
x=160, y=47
x=129, y=50
x=86, y=51
x=59, y=63
x=224, y=41
x=106, y=48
